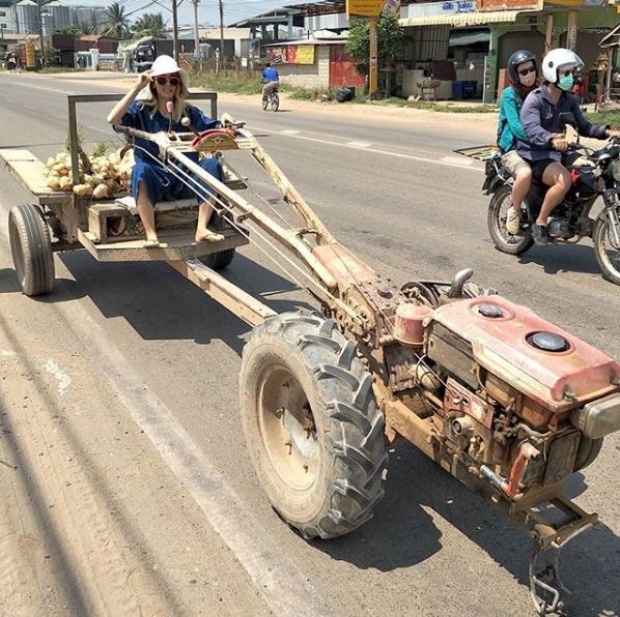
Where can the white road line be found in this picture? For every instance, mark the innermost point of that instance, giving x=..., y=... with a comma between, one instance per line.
x=290, y=132
x=358, y=144
x=282, y=584
x=462, y=161
x=400, y=155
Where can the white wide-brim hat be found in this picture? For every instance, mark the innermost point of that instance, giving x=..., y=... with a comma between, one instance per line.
x=166, y=65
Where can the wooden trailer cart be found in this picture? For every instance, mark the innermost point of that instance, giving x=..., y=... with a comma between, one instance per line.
x=109, y=229
x=506, y=402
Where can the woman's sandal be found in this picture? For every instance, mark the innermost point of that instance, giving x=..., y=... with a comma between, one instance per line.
x=209, y=236
x=151, y=243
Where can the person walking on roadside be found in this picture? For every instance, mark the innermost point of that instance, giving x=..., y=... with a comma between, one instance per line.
x=523, y=74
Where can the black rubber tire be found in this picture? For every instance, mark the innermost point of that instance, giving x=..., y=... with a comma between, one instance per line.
x=275, y=102
x=312, y=426
x=218, y=261
x=605, y=258
x=496, y=221
x=31, y=248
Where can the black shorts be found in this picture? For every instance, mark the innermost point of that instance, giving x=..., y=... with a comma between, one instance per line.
x=538, y=168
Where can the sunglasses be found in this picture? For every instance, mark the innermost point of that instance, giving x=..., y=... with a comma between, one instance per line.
x=524, y=72
x=173, y=81
x=568, y=72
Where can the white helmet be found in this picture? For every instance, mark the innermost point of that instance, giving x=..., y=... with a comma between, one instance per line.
x=559, y=59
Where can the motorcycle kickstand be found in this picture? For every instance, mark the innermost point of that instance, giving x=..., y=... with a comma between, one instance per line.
x=547, y=582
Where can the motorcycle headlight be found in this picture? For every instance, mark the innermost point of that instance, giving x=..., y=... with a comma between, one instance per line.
x=615, y=170
x=598, y=418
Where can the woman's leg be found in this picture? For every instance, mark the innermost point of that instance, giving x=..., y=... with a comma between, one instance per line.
x=146, y=186
x=146, y=212
x=214, y=167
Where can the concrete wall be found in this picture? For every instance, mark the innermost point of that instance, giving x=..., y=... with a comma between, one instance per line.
x=308, y=75
x=444, y=91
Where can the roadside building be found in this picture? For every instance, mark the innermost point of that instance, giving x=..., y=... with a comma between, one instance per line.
x=460, y=47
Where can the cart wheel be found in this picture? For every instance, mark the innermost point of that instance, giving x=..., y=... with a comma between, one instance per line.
x=218, y=261
x=311, y=423
x=31, y=248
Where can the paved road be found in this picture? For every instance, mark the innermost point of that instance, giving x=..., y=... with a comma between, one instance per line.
x=123, y=383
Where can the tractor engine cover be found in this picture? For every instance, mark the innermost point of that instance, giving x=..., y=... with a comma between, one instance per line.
x=542, y=361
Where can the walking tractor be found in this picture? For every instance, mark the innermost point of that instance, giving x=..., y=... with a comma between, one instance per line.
x=503, y=400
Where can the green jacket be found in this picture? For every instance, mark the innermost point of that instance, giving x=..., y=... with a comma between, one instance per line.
x=509, y=128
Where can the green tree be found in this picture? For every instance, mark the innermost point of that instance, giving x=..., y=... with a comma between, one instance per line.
x=117, y=23
x=391, y=41
x=150, y=25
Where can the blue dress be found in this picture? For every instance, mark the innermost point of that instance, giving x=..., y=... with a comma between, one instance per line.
x=161, y=185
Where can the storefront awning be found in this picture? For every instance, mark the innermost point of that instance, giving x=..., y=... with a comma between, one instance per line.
x=461, y=19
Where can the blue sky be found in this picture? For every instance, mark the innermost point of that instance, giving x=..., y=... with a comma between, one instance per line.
x=208, y=10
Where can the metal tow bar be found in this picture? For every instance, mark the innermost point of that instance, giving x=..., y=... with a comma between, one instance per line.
x=546, y=586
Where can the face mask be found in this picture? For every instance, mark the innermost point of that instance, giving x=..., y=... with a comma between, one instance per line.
x=566, y=82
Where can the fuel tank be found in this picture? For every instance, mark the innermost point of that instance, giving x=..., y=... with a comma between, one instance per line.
x=544, y=362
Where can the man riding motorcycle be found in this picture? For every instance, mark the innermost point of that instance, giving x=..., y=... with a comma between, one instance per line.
x=540, y=118
x=271, y=78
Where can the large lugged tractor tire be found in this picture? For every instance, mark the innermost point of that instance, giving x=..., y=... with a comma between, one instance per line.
x=312, y=425
x=31, y=248
x=496, y=222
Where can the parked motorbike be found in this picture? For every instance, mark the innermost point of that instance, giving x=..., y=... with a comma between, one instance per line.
x=595, y=173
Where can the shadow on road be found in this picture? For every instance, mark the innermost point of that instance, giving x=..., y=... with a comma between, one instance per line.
x=403, y=534
x=161, y=305
x=554, y=259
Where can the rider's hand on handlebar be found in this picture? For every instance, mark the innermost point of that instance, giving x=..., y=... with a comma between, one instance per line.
x=559, y=143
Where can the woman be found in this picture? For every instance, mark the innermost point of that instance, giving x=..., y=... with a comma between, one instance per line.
x=150, y=182
x=522, y=73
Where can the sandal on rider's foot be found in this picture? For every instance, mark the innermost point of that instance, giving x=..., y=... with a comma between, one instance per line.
x=209, y=236
x=151, y=243
x=539, y=234
x=513, y=221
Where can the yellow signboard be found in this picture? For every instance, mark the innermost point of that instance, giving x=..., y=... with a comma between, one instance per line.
x=30, y=56
x=364, y=8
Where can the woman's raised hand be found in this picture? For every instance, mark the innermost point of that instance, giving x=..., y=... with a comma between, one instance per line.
x=143, y=79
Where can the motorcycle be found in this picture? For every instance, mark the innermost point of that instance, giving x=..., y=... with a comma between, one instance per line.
x=594, y=173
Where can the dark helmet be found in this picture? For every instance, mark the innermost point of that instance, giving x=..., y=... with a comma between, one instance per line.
x=519, y=57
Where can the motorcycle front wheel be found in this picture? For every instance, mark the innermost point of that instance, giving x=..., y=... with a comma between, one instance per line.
x=607, y=256
x=496, y=220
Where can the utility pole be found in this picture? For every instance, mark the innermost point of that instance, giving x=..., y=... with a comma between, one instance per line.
x=196, y=36
x=40, y=11
x=175, y=51
x=222, y=59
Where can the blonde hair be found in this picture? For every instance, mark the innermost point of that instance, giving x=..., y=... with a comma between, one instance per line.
x=150, y=99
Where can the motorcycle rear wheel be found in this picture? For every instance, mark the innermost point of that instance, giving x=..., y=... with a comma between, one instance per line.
x=496, y=221
x=607, y=256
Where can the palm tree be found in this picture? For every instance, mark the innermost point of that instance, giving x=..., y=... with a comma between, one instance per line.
x=117, y=23
x=150, y=25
